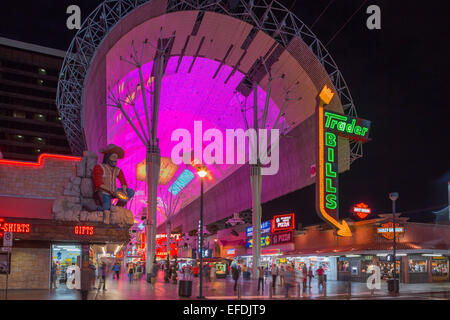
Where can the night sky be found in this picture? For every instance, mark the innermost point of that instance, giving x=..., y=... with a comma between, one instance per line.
x=397, y=77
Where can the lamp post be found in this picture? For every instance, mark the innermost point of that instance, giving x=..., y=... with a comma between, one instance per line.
x=394, y=196
x=202, y=174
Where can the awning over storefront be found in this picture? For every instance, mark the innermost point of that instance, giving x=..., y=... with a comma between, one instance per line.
x=406, y=247
x=22, y=207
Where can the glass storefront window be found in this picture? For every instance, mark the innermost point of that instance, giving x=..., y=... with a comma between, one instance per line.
x=417, y=265
x=439, y=268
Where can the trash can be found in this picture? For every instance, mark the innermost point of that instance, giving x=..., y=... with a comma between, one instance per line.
x=185, y=288
x=390, y=283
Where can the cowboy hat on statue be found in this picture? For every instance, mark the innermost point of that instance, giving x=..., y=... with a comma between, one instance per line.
x=105, y=176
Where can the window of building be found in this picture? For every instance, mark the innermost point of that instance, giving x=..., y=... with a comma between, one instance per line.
x=19, y=114
x=416, y=265
x=39, y=140
x=39, y=117
x=439, y=267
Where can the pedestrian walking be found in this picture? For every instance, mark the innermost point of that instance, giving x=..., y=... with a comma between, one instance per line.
x=310, y=275
x=195, y=269
x=289, y=278
x=261, y=278
x=320, y=274
x=92, y=269
x=282, y=272
x=54, y=275
x=212, y=273
x=139, y=271
x=304, y=277
x=130, y=272
x=274, y=275
x=116, y=271
x=102, y=276
x=206, y=272
x=187, y=272
x=235, y=275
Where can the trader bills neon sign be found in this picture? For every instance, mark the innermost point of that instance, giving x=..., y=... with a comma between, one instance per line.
x=330, y=126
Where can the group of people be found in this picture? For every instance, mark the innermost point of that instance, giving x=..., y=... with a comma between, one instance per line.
x=285, y=275
x=135, y=271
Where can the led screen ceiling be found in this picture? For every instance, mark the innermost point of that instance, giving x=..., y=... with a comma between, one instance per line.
x=185, y=97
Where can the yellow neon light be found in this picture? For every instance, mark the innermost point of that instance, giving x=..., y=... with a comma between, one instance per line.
x=343, y=228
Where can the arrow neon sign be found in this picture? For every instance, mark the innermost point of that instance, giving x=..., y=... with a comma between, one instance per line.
x=331, y=125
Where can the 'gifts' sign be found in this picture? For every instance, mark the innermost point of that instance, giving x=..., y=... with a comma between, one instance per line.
x=283, y=222
x=282, y=237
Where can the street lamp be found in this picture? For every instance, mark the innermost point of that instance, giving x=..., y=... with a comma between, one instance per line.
x=202, y=174
x=394, y=196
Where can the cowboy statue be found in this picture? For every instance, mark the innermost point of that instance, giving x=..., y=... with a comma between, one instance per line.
x=105, y=176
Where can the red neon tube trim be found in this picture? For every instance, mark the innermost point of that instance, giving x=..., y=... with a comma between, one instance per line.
x=40, y=160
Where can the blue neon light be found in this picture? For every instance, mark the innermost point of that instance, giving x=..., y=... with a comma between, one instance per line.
x=265, y=228
x=182, y=181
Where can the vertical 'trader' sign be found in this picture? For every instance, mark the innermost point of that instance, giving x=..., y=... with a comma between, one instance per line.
x=330, y=126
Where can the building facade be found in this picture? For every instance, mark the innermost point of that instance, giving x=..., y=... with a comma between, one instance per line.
x=29, y=122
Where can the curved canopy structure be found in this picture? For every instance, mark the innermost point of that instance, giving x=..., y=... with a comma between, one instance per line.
x=216, y=54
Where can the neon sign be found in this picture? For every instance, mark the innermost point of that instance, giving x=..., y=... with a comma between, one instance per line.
x=283, y=222
x=84, y=230
x=282, y=237
x=14, y=227
x=331, y=125
x=265, y=228
x=265, y=241
x=231, y=252
x=362, y=210
x=182, y=181
x=40, y=160
x=387, y=230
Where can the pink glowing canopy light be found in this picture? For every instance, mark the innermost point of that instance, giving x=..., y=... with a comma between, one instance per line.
x=185, y=97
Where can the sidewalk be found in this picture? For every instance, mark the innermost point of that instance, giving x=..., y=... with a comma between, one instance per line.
x=222, y=289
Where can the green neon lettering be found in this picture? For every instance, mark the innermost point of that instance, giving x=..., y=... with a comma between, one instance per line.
x=330, y=123
x=351, y=126
x=358, y=130
x=331, y=154
x=341, y=126
x=364, y=131
x=331, y=201
x=330, y=139
x=329, y=171
x=330, y=188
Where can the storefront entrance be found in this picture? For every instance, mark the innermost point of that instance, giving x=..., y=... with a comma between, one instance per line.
x=65, y=261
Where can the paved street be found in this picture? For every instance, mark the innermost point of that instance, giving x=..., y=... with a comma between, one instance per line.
x=222, y=289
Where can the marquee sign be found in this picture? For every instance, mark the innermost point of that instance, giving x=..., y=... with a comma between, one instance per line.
x=330, y=126
x=283, y=222
x=361, y=210
x=387, y=230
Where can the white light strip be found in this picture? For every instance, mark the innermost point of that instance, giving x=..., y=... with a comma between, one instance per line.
x=432, y=255
x=352, y=255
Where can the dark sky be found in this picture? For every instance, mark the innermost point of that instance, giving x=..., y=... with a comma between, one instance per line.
x=398, y=77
